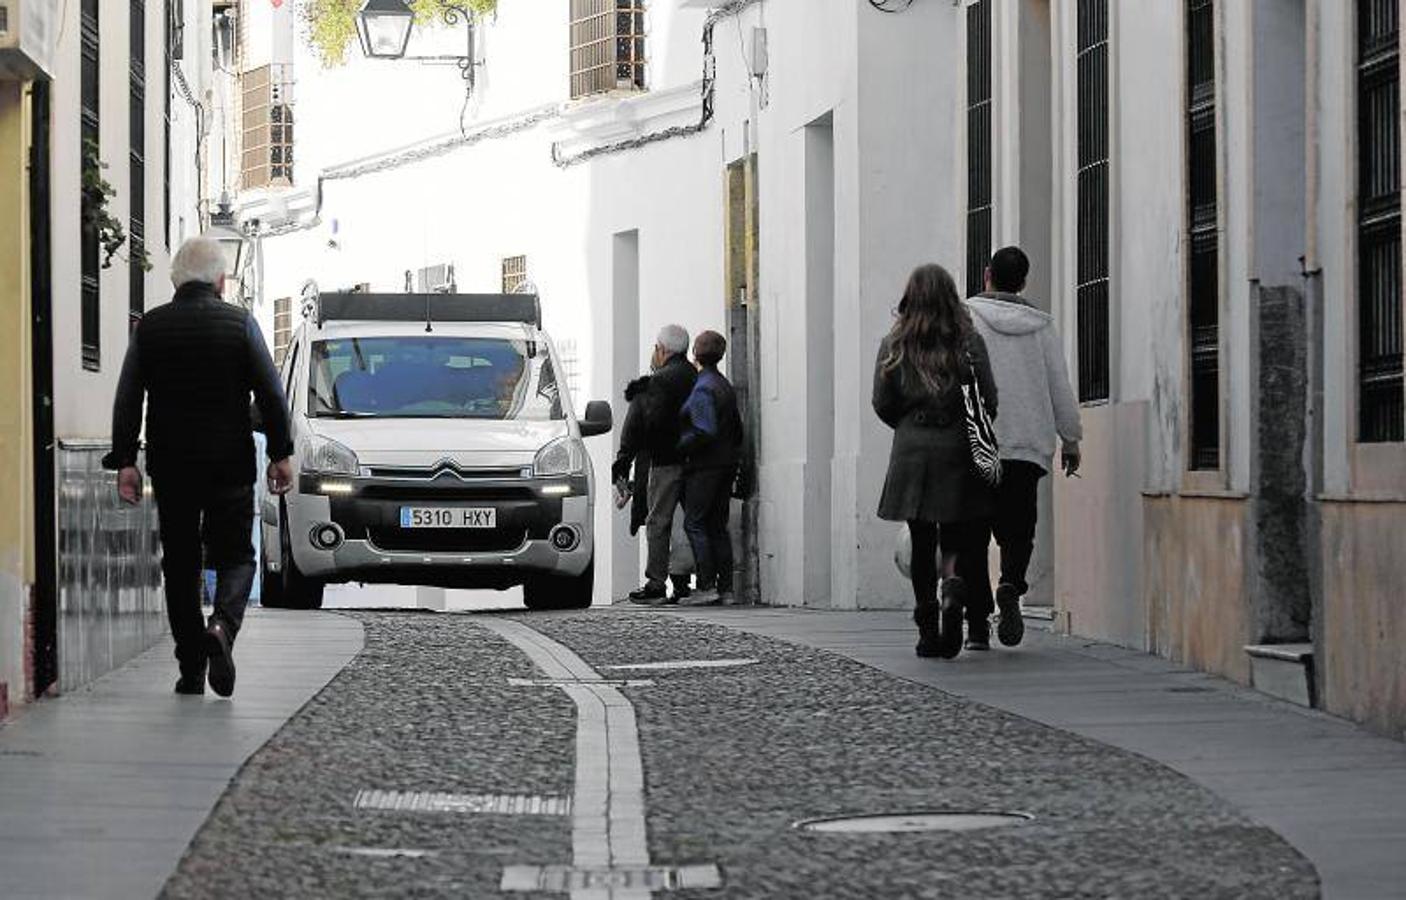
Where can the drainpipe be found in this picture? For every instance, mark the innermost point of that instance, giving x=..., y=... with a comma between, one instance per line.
x=1313, y=294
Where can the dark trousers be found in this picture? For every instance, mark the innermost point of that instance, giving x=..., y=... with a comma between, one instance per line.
x=963, y=547
x=204, y=526
x=1017, y=510
x=707, y=496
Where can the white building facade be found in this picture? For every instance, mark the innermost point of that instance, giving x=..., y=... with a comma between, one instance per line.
x=1186, y=176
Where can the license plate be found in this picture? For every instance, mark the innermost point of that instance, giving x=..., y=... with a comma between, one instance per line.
x=448, y=517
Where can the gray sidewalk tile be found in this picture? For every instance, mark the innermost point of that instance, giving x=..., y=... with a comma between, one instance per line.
x=102, y=789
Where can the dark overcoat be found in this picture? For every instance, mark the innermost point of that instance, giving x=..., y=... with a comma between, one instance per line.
x=931, y=477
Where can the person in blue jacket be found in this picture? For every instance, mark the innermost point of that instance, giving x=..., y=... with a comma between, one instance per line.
x=711, y=445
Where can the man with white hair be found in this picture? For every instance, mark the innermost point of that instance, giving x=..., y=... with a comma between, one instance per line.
x=669, y=387
x=196, y=361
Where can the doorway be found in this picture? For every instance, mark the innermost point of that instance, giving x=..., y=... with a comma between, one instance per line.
x=45, y=599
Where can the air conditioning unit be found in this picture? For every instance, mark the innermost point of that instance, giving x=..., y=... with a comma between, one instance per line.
x=28, y=29
x=437, y=279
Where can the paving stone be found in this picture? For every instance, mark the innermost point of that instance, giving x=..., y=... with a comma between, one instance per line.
x=733, y=758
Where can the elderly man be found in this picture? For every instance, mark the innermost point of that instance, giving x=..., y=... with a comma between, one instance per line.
x=669, y=386
x=196, y=360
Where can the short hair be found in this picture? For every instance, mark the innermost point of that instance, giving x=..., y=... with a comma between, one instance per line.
x=199, y=259
x=1009, y=267
x=673, y=338
x=709, y=348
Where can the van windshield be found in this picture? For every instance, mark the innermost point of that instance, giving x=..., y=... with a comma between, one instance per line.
x=432, y=377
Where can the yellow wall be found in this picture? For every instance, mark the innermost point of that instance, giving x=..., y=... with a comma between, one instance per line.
x=16, y=482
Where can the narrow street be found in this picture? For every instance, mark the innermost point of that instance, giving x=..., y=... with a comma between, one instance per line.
x=479, y=711
x=624, y=753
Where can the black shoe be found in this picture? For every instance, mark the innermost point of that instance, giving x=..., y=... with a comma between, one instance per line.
x=954, y=594
x=1011, y=628
x=191, y=685
x=681, y=588
x=926, y=617
x=217, y=648
x=978, y=636
x=648, y=593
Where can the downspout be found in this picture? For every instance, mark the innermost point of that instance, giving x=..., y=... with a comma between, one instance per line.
x=1312, y=273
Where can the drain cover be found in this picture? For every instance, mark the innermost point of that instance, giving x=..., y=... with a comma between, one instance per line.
x=914, y=821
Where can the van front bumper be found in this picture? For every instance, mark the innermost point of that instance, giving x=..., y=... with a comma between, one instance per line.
x=543, y=526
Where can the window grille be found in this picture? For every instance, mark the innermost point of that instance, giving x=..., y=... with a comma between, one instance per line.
x=1203, y=269
x=90, y=313
x=267, y=119
x=136, y=232
x=514, y=273
x=282, y=327
x=1092, y=238
x=978, y=144
x=1380, y=396
x=607, y=46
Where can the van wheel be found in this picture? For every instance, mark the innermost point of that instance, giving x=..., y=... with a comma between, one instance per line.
x=561, y=592
x=297, y=590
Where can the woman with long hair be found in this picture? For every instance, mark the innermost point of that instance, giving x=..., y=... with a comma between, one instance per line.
x=932, y=483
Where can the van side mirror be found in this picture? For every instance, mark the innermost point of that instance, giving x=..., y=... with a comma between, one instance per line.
x=598, y=419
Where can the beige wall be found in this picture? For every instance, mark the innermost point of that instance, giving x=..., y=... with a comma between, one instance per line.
x=1364, y=613
x=1195, y=586
x=1098, y=528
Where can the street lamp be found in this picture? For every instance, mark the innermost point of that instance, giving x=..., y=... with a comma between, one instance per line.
x=384, y=28
x=231, y=240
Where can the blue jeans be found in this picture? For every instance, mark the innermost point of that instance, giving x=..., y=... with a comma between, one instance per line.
x=707, y=496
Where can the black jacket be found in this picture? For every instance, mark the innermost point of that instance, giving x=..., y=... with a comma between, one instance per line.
x=668, y=390
x=632, y=451
x=196, y=360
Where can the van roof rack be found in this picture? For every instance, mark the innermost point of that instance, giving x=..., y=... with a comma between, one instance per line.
x=429, y=308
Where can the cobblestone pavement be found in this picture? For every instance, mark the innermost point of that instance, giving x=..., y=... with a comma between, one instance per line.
x=733, y=757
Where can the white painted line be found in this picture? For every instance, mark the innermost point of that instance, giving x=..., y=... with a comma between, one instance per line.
x=610, y=855
x=563, y=682
x=439, y=802
x=689, y=664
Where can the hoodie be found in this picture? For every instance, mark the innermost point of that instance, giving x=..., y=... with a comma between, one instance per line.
x=1037, y=401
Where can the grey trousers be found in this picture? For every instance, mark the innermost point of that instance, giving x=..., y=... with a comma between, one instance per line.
x=669, y=553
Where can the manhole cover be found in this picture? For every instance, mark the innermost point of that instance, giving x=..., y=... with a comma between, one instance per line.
x=914, y=821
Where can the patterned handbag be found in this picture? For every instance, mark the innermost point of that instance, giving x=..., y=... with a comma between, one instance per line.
x=981, y=435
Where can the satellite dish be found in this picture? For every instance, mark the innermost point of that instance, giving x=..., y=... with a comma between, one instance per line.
x=308, y=293
x=528, y=286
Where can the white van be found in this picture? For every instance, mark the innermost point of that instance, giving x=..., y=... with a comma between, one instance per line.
x=435, y=444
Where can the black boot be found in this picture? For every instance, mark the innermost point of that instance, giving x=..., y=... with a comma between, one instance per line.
x=926, y=617
x=954, y=596
x=681, y=588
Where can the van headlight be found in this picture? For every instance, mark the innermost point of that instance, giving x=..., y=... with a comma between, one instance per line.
x=563, y=456
x=331, y=458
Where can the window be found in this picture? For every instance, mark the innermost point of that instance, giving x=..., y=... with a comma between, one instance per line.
x=978, y=144
x=514, y=273
x=1092, y=263
x=136, y=237
x=1380, y=399
x=432, y=378
x=90, y=314
x=1203, y=272
x=282, y=327
x=607, y=46
x=267, y=131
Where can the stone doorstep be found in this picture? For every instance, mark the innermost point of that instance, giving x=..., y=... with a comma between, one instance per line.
x=1284, y=671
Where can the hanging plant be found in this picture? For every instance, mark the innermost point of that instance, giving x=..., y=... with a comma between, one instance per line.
x=331, y=24
x=96, y=216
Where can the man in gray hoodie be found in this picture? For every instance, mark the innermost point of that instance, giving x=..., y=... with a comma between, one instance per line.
x=1037, y=403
